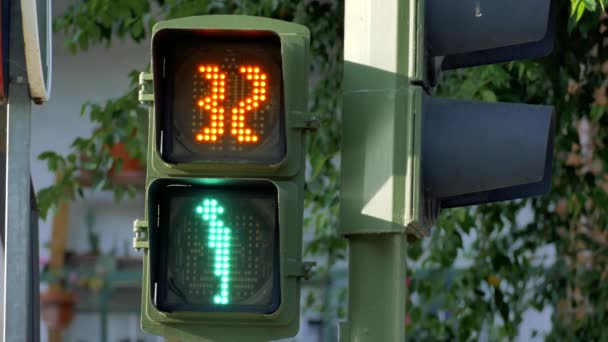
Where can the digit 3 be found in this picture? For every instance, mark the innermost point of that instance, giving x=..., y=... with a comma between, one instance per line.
x=213, y=104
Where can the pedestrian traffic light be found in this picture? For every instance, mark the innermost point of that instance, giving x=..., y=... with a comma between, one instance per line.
x=222, y=237
x=405, y=153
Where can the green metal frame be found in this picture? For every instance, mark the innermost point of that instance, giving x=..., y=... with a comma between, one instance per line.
x=381, y=196
x=380, y=191
x=287, y=176
x=381, y=139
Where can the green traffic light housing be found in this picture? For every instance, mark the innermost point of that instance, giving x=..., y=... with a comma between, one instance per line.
x=222, y=237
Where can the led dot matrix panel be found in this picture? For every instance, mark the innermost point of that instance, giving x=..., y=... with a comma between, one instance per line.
x=230, y=103
x=219, y=248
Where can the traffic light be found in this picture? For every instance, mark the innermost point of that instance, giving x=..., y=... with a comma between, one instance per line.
x=475, y=152
x=407, y=154
x=222, y=237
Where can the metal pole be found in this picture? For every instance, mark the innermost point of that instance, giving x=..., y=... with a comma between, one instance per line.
x=3, y=135
x=376, y=287
x=34, y=281
x=104, y=297
x=18, y=249
x=377, y=56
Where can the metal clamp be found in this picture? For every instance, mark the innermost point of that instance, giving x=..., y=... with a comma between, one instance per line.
x=303, y=120
x=299, y=269
x=145, y=79
x=140, y=230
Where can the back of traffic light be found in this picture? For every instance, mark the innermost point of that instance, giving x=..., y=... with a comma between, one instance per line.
x=222, y=237
x=405, y=153
x=475, y=152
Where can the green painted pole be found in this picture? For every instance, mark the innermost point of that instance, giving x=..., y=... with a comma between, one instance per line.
x=380, y=187
x=376, y=287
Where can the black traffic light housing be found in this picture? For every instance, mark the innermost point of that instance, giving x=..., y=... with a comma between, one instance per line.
x=475, y=152
x=234, y=68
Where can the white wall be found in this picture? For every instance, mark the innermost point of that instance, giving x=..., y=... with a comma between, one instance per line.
x=95, y=75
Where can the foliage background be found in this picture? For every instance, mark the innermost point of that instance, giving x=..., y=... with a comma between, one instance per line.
x=558, y=258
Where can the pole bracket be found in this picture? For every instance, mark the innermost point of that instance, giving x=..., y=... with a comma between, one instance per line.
x=299, y=269
x=303, y=120
x=140, y=230
x=145, y=81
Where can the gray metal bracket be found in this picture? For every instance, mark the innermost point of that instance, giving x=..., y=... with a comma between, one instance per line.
x=145, y=82
x=303, y=120
x=140, y=232
x=299, y=269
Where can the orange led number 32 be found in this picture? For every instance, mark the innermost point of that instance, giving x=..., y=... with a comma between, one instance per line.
x=232, y=120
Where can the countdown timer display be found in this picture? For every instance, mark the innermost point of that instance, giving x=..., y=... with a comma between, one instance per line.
x=222, y=99
x=220, y=251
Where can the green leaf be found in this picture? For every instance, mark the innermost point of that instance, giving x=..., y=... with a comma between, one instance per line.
x=597, y=112
x=580, y=10
x=591, y=5
x=574, y=4
x=47, y=155
x=488, y=95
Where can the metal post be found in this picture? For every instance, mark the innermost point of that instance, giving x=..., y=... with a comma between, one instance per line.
x=378, y=195
x=18, y=249
x=376, y=287
x=104, y=297
x=34, y=281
